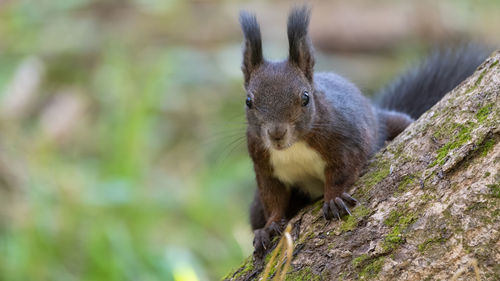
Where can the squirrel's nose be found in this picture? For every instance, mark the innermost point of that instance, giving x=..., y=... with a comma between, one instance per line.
x=277, y=133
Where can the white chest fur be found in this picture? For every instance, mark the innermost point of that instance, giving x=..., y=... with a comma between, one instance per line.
x=300, y=165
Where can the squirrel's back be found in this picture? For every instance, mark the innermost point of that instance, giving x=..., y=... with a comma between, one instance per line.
x=346, y=101
x=421, y=87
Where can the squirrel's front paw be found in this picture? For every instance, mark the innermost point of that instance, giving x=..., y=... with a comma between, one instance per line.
x=337, y=207
x=262, y=240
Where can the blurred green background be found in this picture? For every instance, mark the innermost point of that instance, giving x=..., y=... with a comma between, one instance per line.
x=122, y=149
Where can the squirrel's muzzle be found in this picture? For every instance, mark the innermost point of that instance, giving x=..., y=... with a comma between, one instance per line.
x=278, y=135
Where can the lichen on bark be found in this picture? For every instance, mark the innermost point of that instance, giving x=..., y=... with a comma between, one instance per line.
x=429, y=201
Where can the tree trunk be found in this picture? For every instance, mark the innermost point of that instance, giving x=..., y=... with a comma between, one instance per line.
x=429, y=201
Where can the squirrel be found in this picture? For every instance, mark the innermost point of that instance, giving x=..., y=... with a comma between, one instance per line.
x=310, y=134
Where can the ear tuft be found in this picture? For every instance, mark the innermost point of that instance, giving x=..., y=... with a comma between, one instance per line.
x=252, y=50
x=300, y=47
x=298, y=22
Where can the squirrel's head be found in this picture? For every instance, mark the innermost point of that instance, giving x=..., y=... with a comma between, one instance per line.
x=280, y=105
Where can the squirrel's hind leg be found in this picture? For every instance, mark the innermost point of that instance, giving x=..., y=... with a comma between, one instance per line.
x=395, y=122
x=258, y=218
x=298, y=200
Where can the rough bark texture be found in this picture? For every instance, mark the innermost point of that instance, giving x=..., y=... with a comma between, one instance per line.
x=429, y=201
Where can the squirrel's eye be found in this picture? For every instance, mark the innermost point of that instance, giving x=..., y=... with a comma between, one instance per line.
x=305, y=98
x=249, y=102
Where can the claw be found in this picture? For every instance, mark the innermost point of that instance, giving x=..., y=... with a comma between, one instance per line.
x=341, y=203
x=349, y=198
x=334, y=209
x=326, y=211
x=275, y=228
x=262, y=237
x=261, y=242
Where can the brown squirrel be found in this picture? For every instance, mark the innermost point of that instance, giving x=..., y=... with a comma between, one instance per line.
x=310, y=134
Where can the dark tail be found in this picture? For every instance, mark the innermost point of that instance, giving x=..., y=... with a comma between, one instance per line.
x=420, y=88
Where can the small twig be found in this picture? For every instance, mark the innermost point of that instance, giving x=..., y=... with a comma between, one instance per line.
x=289, y=251
x=285, y=246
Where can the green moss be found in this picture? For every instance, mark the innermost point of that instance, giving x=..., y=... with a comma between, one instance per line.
x=427, y=244
x=493, y=64
x=317, y=207
x=487, y=174
x=275, y=262
x=351, y=222
x=427, y=197
x=486, y=147
x=399, y=149
x=397, y=217
x=303, y=274
x=392, y=240
x=495, y=213
x=359, y=260
x=462, y=136
x=407, y=180
x=407, y=220
x=483, y=112
x=480, y=78
x=399, y=223
x=361, y=211
x=495, y=189
x=393, y=218
x=476, y=206
x=378, y=175
x=373, y=269
x=245, y=268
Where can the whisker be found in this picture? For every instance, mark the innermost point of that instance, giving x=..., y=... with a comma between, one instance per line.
x=229, y=122
x=222, y=138
x=223, y=135
x=228, y=149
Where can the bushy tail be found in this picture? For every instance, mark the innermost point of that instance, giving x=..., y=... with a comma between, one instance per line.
x=420, y=88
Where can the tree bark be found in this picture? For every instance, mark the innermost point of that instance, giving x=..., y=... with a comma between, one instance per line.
x=429, y=201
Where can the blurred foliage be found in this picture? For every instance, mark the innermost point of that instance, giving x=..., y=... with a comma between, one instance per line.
x=142, y=185
x=122, y=149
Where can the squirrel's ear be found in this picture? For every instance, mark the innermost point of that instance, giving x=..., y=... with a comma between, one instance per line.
x=252, y=49
x=300, y=47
